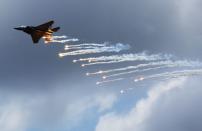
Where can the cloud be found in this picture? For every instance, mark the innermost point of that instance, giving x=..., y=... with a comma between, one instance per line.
x=102, y=102
x=105, y=102
x=12, y=117
x=188, y=9
x=168, y=106
x=49, y=110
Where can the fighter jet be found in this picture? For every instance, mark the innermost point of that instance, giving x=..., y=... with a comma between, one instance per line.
x=37, y=32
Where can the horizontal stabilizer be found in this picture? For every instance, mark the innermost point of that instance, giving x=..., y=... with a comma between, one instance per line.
x=55, y=29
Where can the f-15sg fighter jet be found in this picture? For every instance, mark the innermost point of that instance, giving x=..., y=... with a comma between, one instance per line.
x=37, y=32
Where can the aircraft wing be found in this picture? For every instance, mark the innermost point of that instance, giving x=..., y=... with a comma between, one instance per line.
x=45, y=26
x=36, y=37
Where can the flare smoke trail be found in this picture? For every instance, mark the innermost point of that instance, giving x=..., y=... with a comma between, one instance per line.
x=92, y=45
x=174, y=74
x=84, y=46
x=96, y=49
x=159, y=63
x=168, y=75
x=153, y=61
x=107, y=81
x=59, y=39
x=66, y=40
x=167, y=64
x=122, y=58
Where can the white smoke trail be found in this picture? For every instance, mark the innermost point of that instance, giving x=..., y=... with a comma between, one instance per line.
x=158, y=63
x=138, y=56
x=65, y=40
x=60, y=37
x=126, y=90
x=154, y=61
x=168, y=75
x=174, y=74
x=87, y=44
x=97, y=49
x=122, y=58
x=167, y=64
x=107, y=81
x=165, y=76
x=84, y=46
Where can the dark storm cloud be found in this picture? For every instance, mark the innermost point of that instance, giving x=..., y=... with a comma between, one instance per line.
x=146, y=25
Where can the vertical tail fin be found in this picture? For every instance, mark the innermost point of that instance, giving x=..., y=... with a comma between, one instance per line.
x=55, y=29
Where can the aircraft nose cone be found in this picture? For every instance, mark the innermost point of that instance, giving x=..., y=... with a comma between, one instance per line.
x=18, y=28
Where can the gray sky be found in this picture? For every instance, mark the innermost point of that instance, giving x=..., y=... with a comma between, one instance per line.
x=43, y=92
